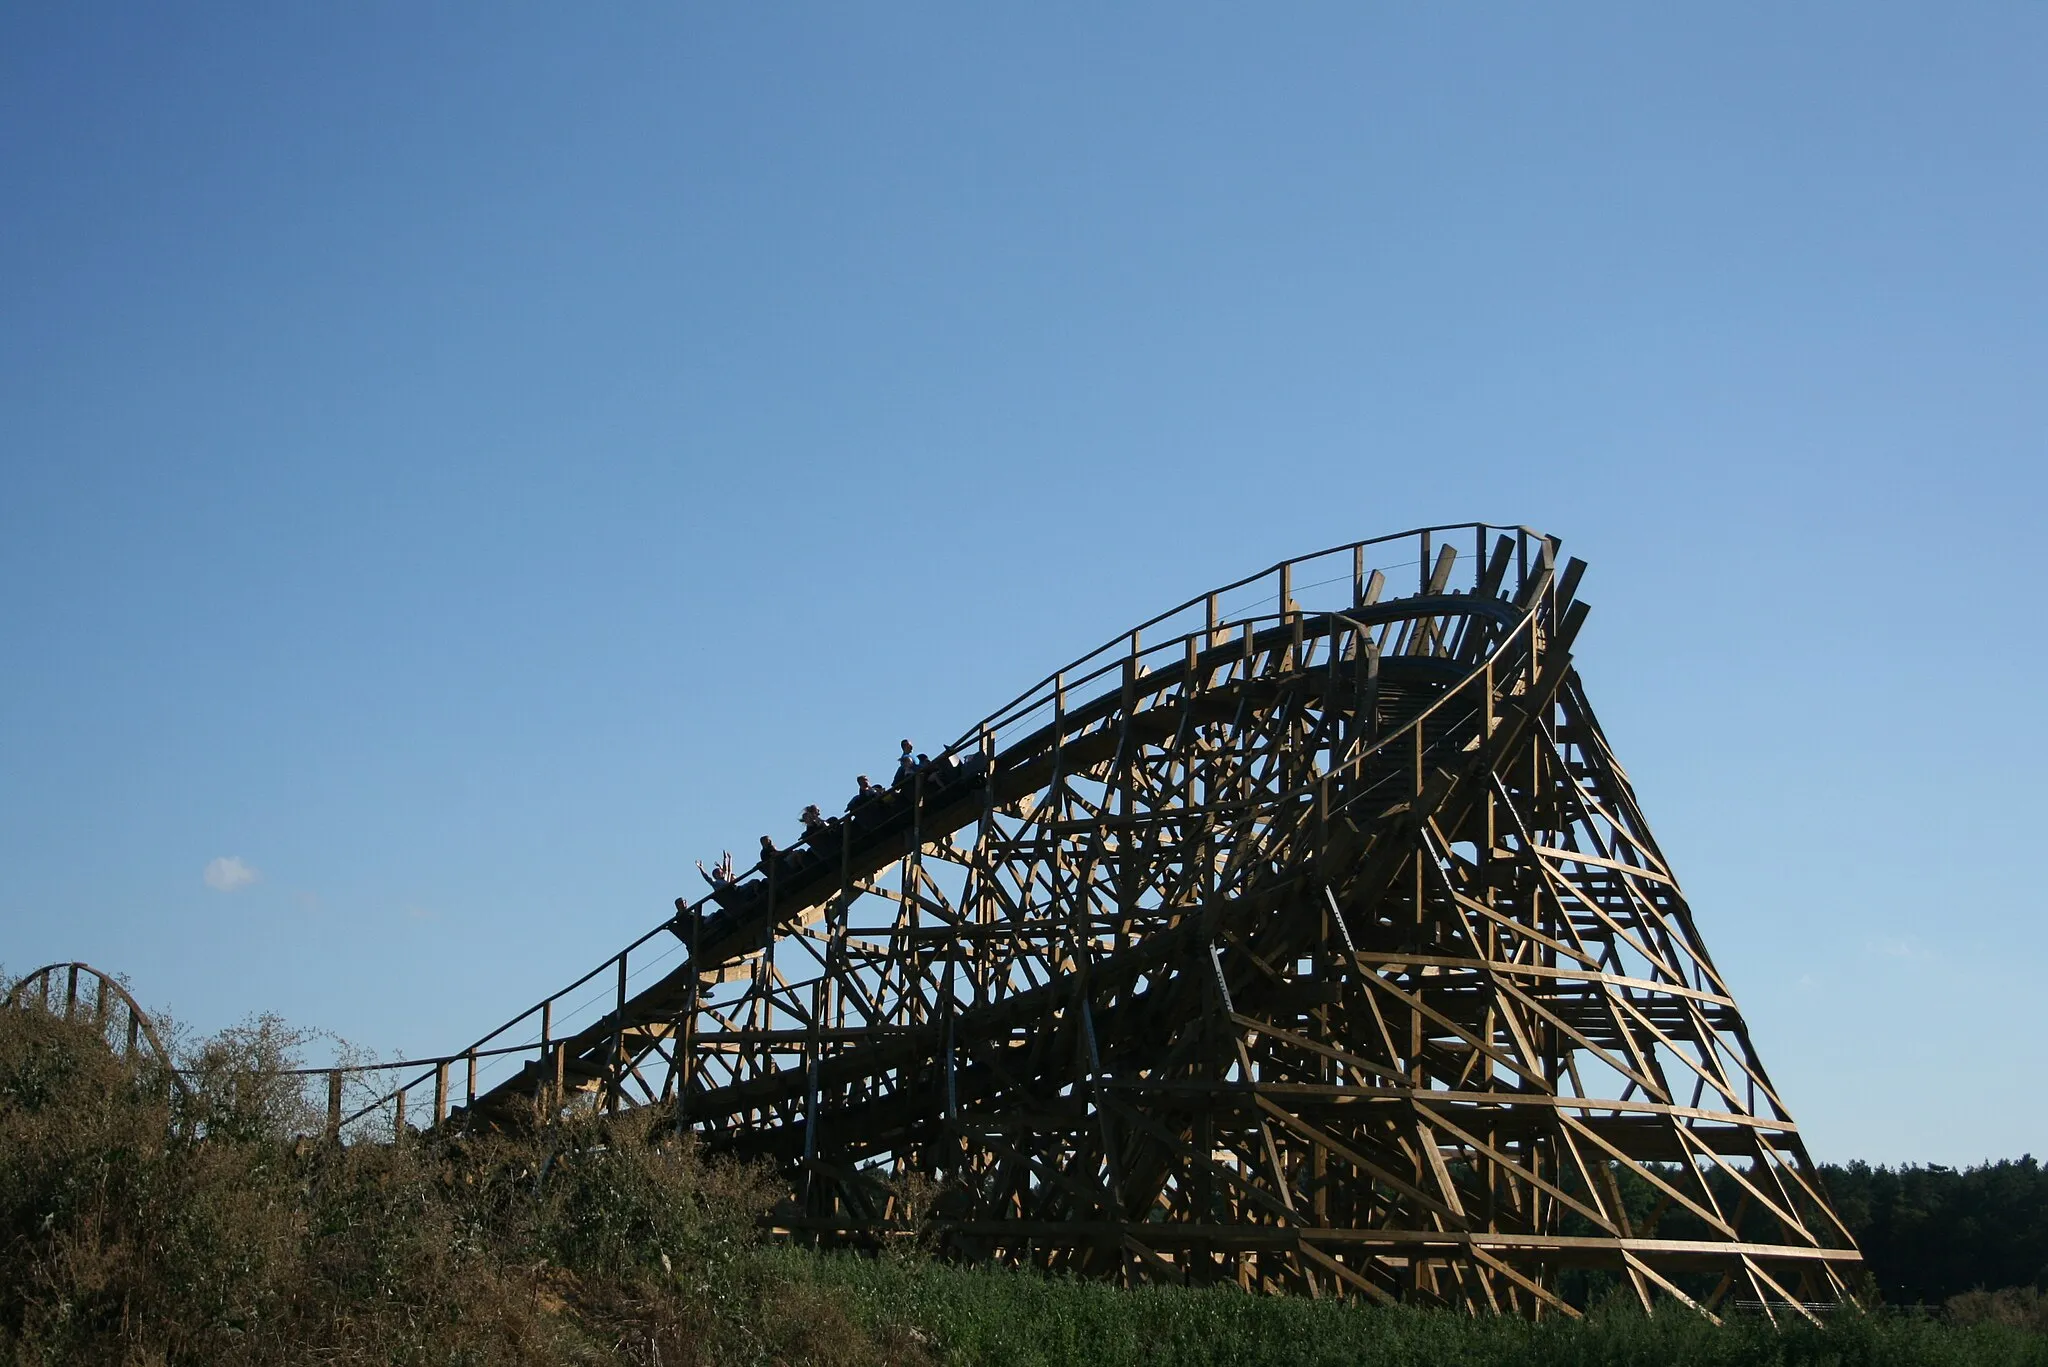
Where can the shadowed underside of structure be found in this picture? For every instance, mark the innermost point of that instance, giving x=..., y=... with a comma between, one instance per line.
x=1307, y=937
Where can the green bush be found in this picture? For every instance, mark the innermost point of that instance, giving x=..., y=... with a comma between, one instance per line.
x=147, y=1225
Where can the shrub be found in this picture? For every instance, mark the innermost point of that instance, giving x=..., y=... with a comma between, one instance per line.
x=139, y=1224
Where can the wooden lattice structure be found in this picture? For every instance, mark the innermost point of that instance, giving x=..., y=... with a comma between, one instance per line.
x=1308, y=936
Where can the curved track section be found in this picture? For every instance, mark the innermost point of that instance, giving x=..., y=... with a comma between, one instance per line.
x=1308, y=936
x=80, y=992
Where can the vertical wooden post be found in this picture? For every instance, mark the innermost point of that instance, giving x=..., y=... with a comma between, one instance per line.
x=547, y=1049
x=469, y=1090
x=618, y=1068
x=334, y=1103
x=686, y=1050
x=986, y=906
x=441, y=1093
x=398, y=1116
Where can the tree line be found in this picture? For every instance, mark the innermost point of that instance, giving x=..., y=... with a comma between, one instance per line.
x=1930, y=1233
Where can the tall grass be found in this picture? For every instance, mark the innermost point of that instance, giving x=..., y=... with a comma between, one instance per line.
x=985, y=1316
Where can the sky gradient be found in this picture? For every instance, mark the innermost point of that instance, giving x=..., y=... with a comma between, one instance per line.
x=464, y=463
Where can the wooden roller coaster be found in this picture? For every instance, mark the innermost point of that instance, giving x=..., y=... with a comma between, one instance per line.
x=1308, y=936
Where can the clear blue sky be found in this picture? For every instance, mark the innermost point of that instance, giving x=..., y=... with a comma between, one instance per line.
x=467, y=462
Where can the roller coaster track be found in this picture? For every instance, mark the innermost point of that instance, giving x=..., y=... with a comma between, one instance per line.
x=1307, y=936
x=83, y=994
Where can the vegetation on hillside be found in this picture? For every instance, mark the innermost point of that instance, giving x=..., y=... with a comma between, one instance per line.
x=143, y=1225
x=138, y=1225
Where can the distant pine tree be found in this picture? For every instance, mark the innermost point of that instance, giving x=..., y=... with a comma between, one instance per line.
x=1930, y=1233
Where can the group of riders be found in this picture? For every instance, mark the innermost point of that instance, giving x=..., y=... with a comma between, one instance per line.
x=866, y=798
